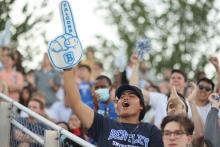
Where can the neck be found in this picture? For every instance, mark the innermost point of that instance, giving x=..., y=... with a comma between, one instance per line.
x=181, y=91
x=201, y=103
x=129, y=120
x=8, y=69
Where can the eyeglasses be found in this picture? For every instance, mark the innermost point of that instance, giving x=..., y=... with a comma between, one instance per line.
x=204, y=87
x=177, y=134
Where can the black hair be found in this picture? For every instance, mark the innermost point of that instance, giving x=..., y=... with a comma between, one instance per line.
x=207, y=81
x=90, y=48
x=21, y=99
x=184, y=121
x=103, y=77
x=137, y=91
x=180, y=72
x=143, y=111
x=65, y=123
x=85, y=66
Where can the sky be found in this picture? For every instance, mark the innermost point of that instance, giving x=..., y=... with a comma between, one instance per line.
x=88, y=23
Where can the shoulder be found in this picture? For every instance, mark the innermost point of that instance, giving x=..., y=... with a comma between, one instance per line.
x=150, y=127
x=157, y=95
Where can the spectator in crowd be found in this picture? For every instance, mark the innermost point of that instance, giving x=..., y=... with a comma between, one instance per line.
x=167, y=74
x=130, y=109
x=102, y=97
x=60, y=110
x=145, y=74
x=39, y=95
x=90, y=57
x=97, y=70
x=30, y=80
x=18, y=58
x=4, y=52
x=13, y=78
x=85, y=85
x=75, y=126
x=25, y=96
x=178, y=79
x=152, y=88
x=175, y=104
x=22, y=139
x=48, y=81
x=158, y=101
x=64, y=141
x=205, y=88
x=164, y=87
x=177, y=131
x=212, y=125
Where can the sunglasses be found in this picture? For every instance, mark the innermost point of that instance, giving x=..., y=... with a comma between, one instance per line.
x=206, y=88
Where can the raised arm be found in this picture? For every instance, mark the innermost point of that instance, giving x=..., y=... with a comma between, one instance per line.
x=212, y=128
x=135, y=66
x=196, y=118
x=83, y=112
x=215, y=62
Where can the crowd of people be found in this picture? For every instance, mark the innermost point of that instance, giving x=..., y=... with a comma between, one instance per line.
x=132, y=108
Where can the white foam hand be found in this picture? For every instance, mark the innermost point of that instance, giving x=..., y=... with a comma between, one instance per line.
x=65, y=51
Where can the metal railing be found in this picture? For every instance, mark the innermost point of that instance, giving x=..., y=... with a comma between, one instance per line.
x=51, y=137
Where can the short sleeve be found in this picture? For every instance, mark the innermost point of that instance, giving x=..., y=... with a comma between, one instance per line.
x=97, y=126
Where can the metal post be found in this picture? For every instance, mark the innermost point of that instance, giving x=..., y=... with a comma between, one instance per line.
x=5, y=124
x=51, y=138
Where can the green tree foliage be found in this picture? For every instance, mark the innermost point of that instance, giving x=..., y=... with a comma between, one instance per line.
x=27, y=24
x=182, y=31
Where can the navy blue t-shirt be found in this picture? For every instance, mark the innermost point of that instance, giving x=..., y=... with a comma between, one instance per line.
x=110, y=133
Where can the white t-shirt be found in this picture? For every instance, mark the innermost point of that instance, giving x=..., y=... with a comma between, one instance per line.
x=158, y=101
x=59, y=112
x=204, y=110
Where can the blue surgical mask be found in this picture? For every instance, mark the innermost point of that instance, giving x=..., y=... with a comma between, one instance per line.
x=103, y=94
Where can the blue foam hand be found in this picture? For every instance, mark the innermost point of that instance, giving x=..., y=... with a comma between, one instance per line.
x=65, y=51
x=143, y=45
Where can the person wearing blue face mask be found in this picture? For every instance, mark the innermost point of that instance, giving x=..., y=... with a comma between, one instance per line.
x=102, y=98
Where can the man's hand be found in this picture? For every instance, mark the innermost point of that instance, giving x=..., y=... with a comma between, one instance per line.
x=174, y=98
x=215, y=102
x=95, y=100
x=214, y=61
x=192, y=96
x=65, y=51
x=134, y=59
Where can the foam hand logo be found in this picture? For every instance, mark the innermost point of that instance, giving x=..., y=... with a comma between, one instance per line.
x=66, y=50
x=143, y=45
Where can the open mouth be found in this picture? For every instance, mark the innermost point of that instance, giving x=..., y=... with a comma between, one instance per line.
x=125, y=104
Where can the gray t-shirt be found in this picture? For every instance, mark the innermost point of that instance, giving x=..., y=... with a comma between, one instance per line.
x=212, y=129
